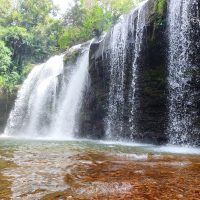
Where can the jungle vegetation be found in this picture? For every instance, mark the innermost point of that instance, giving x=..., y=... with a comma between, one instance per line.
x=33, y=30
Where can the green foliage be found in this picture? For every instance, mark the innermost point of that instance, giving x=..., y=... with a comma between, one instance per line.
x=5, y=11
x=26, y=70
x=74, y=16
x=160, y=6
x=30, y=33
x=5, y=58
x=89, y=18
x=96, y=19
x=19, y=41
x=9, y=81
x=122, y=6
x=119, y=7
x=69, y=37
x=34, y=12
x=46, y=39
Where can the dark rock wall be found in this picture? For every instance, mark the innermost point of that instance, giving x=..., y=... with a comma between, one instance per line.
x=95, y=103
x=152, y=80
x=151, y=93
x=194, y=84
x=6, y=104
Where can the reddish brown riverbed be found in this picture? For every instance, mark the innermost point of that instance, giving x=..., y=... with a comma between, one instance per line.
x=100, y=173
x=98, y=176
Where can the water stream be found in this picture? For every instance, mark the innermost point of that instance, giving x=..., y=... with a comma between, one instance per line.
x=130, y=29
x=47, y=105
x=182, y=114
x=82, y=169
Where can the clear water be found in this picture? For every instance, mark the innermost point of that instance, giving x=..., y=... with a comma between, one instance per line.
x=48, y=167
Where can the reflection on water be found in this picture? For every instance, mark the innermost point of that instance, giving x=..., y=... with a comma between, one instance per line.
x=90, y=170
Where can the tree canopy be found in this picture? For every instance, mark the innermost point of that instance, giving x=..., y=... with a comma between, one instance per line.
x=32, y=30
x=89, y=17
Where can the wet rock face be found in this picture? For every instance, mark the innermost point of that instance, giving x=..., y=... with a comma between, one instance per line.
x=150, y=94
x=95, y=101
x=194, y=56
x=152, y=83
x=6, y=104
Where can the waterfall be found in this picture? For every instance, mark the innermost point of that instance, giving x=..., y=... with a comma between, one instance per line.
x=36, y=95
x=66, y=118
x=129, y=28
x=114, y=121
x=127, y=97
x=49, y=101
x=141, y=23
x=182, y=114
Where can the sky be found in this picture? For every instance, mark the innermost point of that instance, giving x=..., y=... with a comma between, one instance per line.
x=63, y=4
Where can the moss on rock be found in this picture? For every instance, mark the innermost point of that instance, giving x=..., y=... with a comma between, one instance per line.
x=160, y=7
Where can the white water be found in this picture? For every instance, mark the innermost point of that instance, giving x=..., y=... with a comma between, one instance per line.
x=141, y=23
x=181, y=98
x=119, y=45
x=37, y=91
x=66, y=118
x=47, y=105
x=114, y=120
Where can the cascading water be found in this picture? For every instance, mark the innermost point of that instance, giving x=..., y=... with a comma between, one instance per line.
x=141, y=23
x=47, y=105
x=120, y=39
x=114, y=121
x=50, y=100
x=37, y=92
x=66, y=118
x=181, y=98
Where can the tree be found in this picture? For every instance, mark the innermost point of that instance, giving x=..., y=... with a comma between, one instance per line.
x=19, y=41
x=89, y=18
x=83, y=22
x=74, y=16
x=34, y=12
x=8, y=79
x=28, y=34
x=5, y=58
x=71, y=36
x=46, y=38
x=5, y=11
